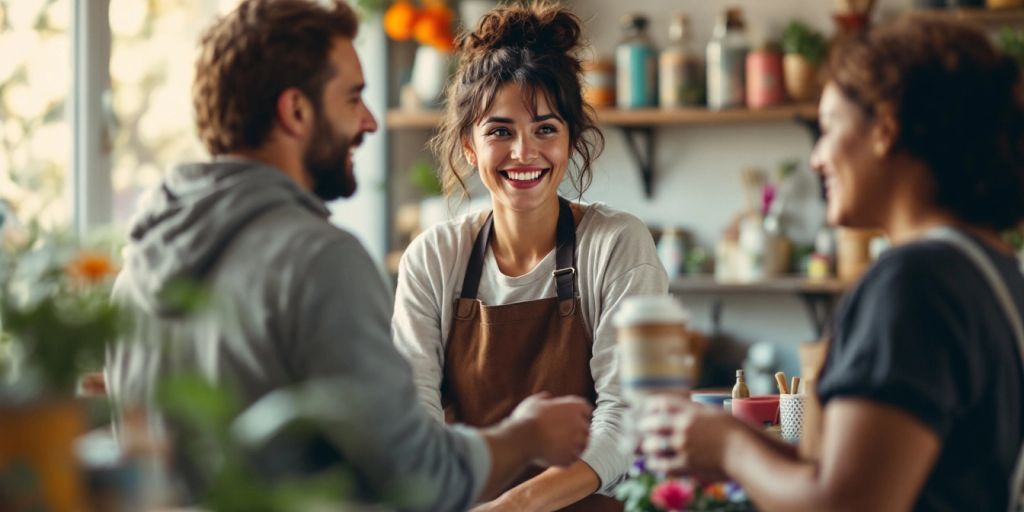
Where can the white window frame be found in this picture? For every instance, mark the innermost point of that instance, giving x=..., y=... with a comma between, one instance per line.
x=91, y=188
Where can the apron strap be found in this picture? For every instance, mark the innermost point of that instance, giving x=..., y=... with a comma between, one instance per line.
x=970, y=248
x=471, y=281
x=565, y=258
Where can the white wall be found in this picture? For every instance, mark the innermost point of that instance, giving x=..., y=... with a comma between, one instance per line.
x=365, y=212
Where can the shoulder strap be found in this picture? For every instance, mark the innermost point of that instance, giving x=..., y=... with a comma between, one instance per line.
x=565, y=255
x=471, y=281
x=970, y=248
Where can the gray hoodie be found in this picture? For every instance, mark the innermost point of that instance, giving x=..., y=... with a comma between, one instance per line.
x=295, y=300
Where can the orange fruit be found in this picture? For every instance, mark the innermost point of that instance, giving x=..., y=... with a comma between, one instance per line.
x=445, y=42
x=430, y=28
x=399, y=20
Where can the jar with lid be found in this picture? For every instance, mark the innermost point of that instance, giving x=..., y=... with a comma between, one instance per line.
x=636, y=66
x=726, y=61
x=599, y=83
x=680, y=71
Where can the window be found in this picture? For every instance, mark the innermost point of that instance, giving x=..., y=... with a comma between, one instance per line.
x=35, y=134
x=153, y=47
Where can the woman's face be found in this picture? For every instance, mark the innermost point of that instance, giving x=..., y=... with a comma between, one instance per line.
x=521, y=158
x=850, y=155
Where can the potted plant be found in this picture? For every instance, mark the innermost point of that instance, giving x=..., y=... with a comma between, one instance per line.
x=56, y=319
x=805, y=50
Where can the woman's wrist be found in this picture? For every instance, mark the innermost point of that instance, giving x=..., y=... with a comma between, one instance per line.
x=736, y=447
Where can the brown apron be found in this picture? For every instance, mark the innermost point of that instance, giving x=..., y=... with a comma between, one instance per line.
x=498, y=355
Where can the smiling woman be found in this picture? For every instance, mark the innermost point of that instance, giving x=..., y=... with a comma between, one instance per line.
x=496, y=306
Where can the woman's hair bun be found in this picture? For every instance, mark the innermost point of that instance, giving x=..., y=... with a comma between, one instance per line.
x=541, y=27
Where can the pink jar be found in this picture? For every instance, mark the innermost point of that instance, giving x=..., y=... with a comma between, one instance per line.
x=765, y=87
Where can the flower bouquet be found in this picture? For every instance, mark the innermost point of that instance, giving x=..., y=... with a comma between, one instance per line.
x=644, y=491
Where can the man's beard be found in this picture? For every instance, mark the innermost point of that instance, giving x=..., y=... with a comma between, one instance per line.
x=326, y=161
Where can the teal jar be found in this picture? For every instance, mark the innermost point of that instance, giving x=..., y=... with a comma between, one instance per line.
x=636, y=64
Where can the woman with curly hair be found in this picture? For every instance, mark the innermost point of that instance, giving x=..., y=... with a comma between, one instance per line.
x=923, y=136
x=497, y=306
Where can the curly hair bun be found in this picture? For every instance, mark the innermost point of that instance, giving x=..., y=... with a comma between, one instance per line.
x=541, y=27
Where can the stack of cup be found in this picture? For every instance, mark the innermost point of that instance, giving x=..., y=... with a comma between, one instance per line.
x=655, y=353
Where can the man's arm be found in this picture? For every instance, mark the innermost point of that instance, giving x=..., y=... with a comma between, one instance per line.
x=342, y=336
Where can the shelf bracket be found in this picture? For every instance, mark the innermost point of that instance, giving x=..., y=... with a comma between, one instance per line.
x=640, y=140
x=819, y=309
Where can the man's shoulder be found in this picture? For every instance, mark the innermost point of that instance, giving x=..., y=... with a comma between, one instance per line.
x=294, y=237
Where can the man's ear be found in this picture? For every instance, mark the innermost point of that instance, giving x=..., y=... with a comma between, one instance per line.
x=468, y=151
x=885, y=132
x=294, y=112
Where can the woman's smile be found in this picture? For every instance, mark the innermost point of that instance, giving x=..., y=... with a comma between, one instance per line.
x=524, y=177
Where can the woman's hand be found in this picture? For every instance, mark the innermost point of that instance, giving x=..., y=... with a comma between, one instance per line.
x=680, y=437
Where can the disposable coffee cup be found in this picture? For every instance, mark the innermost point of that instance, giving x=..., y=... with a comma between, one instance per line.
x=654, y=352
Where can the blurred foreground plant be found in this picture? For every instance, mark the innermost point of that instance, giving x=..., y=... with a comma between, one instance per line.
x=55, y=311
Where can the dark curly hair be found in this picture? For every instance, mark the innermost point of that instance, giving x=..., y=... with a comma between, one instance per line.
x=533, y=46
x=957, y=101
x=249, y=57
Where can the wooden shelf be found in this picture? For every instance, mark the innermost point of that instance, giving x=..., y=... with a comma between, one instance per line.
x=990, y=17
x=788, y=284
x=427, y=119
x=819, y=297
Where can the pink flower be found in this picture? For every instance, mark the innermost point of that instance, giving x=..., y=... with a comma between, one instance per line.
x=672, y=495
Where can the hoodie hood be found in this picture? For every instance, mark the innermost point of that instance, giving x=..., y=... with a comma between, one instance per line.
x=184, y=226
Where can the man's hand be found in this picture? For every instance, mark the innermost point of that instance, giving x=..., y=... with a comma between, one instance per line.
x=559, y=427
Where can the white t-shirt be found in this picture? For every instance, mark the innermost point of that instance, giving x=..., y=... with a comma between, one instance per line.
x=616, y=258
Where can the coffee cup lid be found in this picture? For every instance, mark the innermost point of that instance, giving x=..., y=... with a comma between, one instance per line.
x=645, y=309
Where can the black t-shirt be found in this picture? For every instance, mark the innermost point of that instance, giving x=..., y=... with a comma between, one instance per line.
x=923, y=331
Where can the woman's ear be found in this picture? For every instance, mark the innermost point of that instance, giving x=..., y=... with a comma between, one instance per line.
x=468, y=151
x=885, y=132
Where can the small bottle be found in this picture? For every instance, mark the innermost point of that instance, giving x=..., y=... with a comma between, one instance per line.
x=726, y=62
x=740, y=389
x=635, y=66
x=680, y=72
x=670, y=252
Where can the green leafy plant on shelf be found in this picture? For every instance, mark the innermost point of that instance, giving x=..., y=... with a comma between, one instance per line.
x=424, y=178
x=800, y=39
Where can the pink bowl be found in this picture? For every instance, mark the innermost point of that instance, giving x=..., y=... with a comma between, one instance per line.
x=759, y=411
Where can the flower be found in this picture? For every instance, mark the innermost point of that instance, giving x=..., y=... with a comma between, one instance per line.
x=672, y=495
x=90, y=267
x=716, y=491
x=399, y=20
x=430, y=25
x=55, y=308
